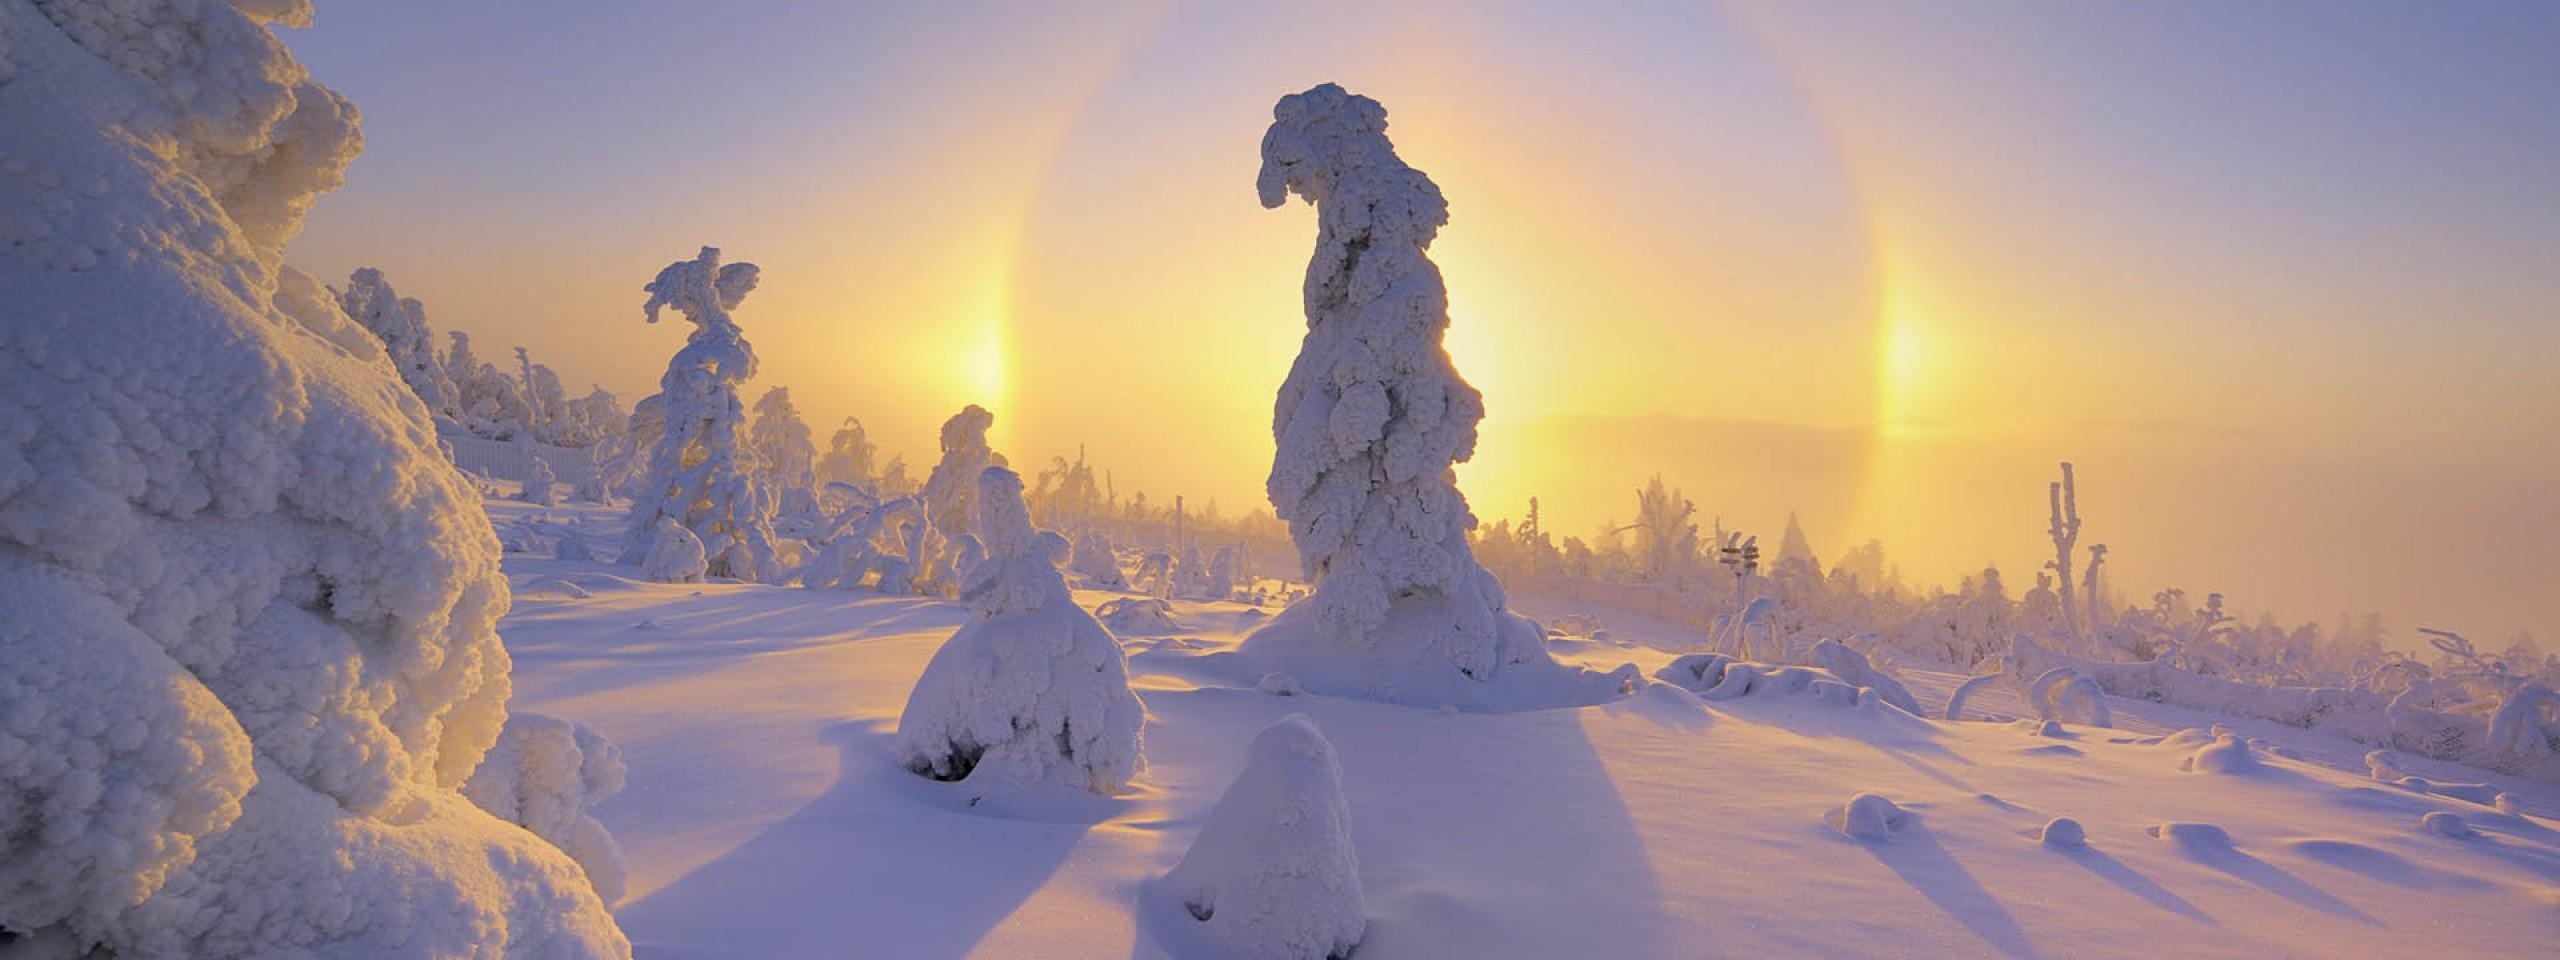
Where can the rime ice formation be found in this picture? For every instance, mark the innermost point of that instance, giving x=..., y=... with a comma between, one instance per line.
x=1032, y=689
x=1369, y=425
x=250, y=628
x=1272, y=875
x=697, y=474
x=545, y=775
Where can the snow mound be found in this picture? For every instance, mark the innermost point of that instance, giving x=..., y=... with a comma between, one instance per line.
x=1867, y=816
x=1272, y=875
x=2063, y=832
x=1852, y=668
x=675, y=555
x=1412, y=669
x=546, y=775
x=250, y=611
x=2227, y=754
x=2056, y=691
x=2445, y=823
x=1138, y=617
x=2192, y=837
x=1279, y=685
x=1716, y=677
x=1032, y=688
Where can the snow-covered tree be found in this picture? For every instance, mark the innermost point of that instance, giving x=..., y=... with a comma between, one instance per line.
x=546, y=401
x=248, y=615
x=1272, y=875
x=540, y=484
x=697, y=474
x=784, y=450
x=951, y=490
x=401, y=324
x=546, y=775
x=1032, y=689
x=1666, y=536
x=850, y=456
x=1371, y=422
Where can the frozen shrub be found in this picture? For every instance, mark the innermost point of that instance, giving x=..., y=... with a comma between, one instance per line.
x=951, y=490
x=698, y=475
x=250, y=616
x=1032, y=689
x=1272, y=875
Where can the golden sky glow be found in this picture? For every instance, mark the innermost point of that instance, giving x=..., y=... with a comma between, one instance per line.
x=1881, y=271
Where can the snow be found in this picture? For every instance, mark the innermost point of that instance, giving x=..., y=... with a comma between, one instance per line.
x=1272, y=875
x=675, y=555
x=699, y=470
x=546, y=775
x=1867, y=817
x=251, y=611
x=1032, y=690
x=768, y=813
x=1369, y=425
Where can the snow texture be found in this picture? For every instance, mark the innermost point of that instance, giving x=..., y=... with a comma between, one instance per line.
x=1272, y=875
x=698, y=472
x=251, y=612
x=1032, y=690
x=1370, y=424
x=546, y=775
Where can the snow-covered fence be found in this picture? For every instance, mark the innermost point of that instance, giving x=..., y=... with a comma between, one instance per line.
x=510, y=460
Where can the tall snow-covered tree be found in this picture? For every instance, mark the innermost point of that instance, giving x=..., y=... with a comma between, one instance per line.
x=698, y=475
x=1372, y=420
x=248, y=614
x=401, y=323
x=951, y=490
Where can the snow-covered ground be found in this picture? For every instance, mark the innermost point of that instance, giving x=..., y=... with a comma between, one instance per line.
x=766, y=813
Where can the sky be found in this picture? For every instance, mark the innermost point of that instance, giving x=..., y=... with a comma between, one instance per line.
x=2282, y=279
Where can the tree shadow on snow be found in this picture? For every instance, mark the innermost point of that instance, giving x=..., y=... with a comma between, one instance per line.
x=869, y=868
x=2114, y=871
x=1450, y=812
x=2268, y=877
x=1916, y=856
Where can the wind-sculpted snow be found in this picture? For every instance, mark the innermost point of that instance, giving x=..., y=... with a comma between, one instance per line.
x=698, y=471
x=225, y=533
x=1370, y=423
x=1272, y=875
x=1032, y=690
